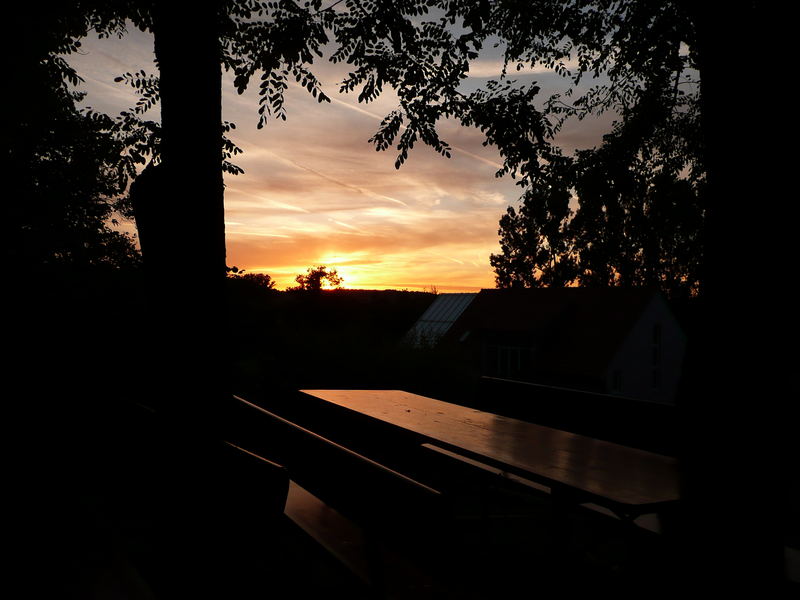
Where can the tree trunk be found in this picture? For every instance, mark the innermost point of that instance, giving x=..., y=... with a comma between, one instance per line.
x=184, y=253
x=733, y=458
x=187, y=273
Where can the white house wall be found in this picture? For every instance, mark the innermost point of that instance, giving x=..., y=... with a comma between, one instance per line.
x=634, y=359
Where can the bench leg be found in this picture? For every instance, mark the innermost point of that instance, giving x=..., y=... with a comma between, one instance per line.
x=560, y=533
x=376, y=570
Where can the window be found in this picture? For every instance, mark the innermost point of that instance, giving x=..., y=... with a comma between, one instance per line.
x=616, y=380
x=505, y=361
x=656, y=354
x=657, y=334
x=656, y=379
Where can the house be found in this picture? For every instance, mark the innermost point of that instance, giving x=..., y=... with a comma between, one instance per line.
x=619, y=341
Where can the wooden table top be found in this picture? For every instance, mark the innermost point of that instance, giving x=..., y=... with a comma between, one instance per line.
x=622, y=475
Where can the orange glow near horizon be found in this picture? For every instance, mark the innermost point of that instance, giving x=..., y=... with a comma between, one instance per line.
x=416, y=271
x=353, y=279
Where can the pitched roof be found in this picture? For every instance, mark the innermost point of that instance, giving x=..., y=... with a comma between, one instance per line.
x=573, y=330
x=438, y=318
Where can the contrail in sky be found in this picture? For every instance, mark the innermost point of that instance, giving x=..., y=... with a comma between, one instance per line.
x=368, y=193
x=380, y=118
x=272, y=202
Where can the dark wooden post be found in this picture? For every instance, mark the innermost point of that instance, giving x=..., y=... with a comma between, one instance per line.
x=184, y=249
x=731, y=525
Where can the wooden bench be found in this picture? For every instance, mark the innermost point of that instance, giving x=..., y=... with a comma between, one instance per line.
x=357, y=508
x=464, y=475
x=574, y=470
x=192, y=511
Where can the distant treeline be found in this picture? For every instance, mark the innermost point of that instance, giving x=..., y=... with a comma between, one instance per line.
x=332, y=338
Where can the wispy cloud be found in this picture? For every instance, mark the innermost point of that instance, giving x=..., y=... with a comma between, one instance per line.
x=493, y=67
x=380, y=118
x=258, y=234
x=351, y=227
x=263, y=201
x=334, y=180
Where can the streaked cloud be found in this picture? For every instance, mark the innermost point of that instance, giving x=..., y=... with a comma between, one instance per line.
x=493, y=68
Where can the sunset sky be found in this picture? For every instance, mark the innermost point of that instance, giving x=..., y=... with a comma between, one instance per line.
x=315, y=192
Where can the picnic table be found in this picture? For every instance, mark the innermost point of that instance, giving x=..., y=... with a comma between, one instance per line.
x=628, y=481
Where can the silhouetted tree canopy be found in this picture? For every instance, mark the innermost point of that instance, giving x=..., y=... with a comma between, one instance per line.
x=256, y=281
x=65, y=173
x=626, y=213
x=599, y=218
x=317, y=278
